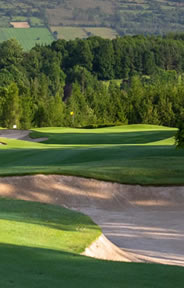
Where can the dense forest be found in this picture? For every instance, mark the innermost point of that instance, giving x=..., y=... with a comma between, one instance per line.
x=74, y=83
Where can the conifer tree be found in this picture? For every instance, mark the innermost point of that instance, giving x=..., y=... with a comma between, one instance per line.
x=11, y=107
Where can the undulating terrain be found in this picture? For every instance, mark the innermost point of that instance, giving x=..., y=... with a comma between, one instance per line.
x=75, y=18
x=40, y=244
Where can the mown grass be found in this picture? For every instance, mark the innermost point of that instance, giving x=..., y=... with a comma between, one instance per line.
x=42, y=225
x=134, y=154
x=36, y=253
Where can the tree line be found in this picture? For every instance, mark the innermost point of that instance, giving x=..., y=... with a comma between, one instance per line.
x=43, y=86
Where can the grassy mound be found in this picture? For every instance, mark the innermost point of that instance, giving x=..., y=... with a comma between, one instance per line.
x=38, y=245
x=41, y=225
x=133, y=154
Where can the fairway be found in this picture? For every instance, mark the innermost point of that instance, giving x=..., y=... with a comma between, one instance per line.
x=27, y=37
x=135, y=154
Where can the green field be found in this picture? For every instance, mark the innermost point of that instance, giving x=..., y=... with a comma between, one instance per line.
x=36, y=22
x=27, y=37
x=135, y=154
x=39, y=246
x=71, y=32
x=103, y=32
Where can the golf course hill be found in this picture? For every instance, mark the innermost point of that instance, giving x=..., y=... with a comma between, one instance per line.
x=128, y=179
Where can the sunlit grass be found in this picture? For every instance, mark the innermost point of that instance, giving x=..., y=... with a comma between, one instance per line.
x=42, y=225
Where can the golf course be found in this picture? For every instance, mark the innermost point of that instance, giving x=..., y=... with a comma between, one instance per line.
x=135, y=154
x=62, y=189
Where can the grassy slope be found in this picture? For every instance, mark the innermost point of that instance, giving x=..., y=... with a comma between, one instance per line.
x=135, y=154
x=55, y=227
x=30, y=259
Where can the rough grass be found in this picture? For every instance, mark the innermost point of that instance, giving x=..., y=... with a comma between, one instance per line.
x=134, y=154
x=36, y=253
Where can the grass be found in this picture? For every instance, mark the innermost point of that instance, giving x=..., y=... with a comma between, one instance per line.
x=19, y=18
x=71, y=32
x=39, y=246
x=35, y=21
x=27, y=37
x=103, y=32
x=55, y=228
x=133, y=154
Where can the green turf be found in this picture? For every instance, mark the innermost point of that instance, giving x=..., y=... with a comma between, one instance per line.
x=30, y=259
x=134, y=154
x=55, y=227
x=27, y=37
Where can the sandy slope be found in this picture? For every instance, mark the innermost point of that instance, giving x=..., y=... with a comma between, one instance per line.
x=145, y=222
x=19, y=135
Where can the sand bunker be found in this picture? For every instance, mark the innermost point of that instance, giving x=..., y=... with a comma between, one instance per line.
x=19, y=135
x=146, y=223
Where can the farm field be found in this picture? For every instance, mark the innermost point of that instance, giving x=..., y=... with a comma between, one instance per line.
x=102, y=32
x=71, y=32
x=28, y=38
x=134, y=154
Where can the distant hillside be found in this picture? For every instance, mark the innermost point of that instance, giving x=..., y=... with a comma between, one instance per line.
x=123, y=16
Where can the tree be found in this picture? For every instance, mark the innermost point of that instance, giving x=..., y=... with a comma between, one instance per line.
x=11, y=107
x=104, y=60
x=26, y=111
x=180, y=135
x=11, y=53
x=116, y=107
x=56, y=111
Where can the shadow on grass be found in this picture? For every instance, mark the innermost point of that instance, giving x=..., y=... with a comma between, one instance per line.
x=114, y=163
x=139, y=137
x=28, y=267
x=69, y=156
